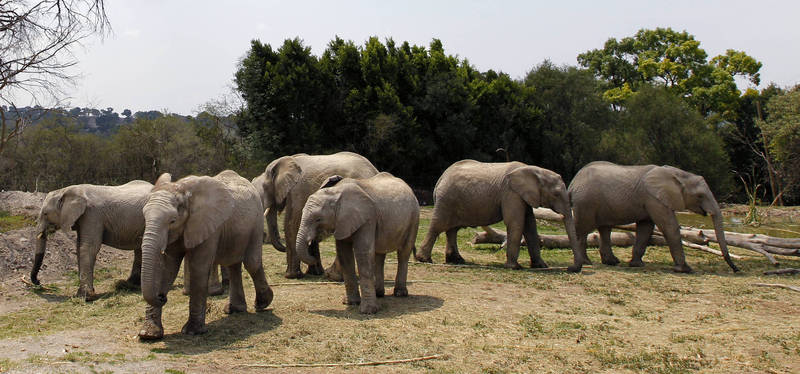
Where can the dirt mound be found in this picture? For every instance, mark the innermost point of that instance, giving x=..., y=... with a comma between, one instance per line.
x=22, y=203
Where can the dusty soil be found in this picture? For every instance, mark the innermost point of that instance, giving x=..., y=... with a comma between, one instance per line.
x=480, y=318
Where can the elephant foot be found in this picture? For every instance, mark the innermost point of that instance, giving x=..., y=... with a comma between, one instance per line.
x=400, y=291
x=636, y=263
x=263, y=299
x=293, y=274
x=380, y=292
x=351, y=300
x=194, y=328
x=512, y=265
x=610, y=261
x=315, y=269
x=368, y=308
x=86, y=294
x=682, y=269
x=151, y=331
x=230, y=308
x=454, y=259
x=574, y=269
x=421, y=258
x=333, y=274
x=587, y=261
x=539, y=264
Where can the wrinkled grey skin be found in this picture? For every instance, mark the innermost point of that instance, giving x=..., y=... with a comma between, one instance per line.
x=110, y=215
x=369, y=218
x=258, y=183
x=605, y=194
x=202, y=221
x=471, y=193
x=287, y=184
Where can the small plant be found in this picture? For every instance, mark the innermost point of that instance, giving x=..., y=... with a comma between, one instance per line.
x=752, y=217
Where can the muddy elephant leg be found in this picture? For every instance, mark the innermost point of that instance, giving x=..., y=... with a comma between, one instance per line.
x=88, y=248
x=365, y=260
x=255, y=267
x=153, y=329
x=135, y=278
x=236, y=300
x=644, y=229
x=199, y=260
x=292, y=260
x=668, y=224
x=344, y=252
x=380, y=291
x=400, y=289
x=451, y=255
x=606, y=254
x=532, y=240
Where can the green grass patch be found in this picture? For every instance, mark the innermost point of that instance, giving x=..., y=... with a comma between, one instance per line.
x=10, y=221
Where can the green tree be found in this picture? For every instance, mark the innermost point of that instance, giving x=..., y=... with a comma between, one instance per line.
x=782, y=134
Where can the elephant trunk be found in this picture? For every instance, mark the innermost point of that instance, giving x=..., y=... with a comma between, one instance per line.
x=577, y=254
x=272, y=229
x=716, y=216
x=41, y=247
x=154, y=241
x=304, y=239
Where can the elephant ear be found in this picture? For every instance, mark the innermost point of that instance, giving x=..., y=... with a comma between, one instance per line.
x=209, y=203
x=285, y=174
x=72, y=205
x=354, y=208
x=526, y=183
x=664, y=185
x=331, y=181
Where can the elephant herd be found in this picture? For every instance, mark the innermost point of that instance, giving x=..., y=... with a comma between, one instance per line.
x=206, y=221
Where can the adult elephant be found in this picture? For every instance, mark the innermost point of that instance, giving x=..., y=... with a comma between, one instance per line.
x=471, y=193
x=605, y=194
x=203, y=221
x=288, y=182
x=369, y=218
x=110, y=215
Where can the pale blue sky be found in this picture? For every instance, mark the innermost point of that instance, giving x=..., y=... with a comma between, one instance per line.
x=179, y=54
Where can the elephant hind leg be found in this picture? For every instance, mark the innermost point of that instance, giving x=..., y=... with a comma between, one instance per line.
x=255, y=267
x=236, y=300
x=380, y=259
x=400, y=289
x=606, y=254
x=425, y=250
x=135, y=278
x=668, y=224
x=451, y=251
x=644, y=229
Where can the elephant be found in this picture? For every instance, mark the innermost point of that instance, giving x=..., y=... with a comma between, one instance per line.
x=204, y=221
x=369, y=218
x=288, y=182
x=605, y=194
x=471, y=193
x=110, y=215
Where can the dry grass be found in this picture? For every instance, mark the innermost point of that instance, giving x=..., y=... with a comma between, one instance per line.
x=606, y=319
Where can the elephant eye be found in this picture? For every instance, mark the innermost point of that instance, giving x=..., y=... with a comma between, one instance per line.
x=173, y=220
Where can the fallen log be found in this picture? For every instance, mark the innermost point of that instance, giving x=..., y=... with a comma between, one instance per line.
x=782, y=271
x=777, y=285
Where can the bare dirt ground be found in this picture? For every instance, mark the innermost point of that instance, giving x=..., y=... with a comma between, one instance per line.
x=479, y=319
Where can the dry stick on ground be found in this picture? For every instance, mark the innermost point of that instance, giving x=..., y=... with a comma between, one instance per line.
x=557, y=268
x=777, y=285
x=372, y=363
x=782, y=271
x=390, y=281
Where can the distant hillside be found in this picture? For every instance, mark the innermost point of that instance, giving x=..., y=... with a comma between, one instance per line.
x=88, y=120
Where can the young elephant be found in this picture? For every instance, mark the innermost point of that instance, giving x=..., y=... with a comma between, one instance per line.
x=471, y=193
x=369, y=218
x=110, y=215
x=605, y=194
x=205, y=221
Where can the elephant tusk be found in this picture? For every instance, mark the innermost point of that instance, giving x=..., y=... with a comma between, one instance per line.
x=41, y=234
x=164, y=250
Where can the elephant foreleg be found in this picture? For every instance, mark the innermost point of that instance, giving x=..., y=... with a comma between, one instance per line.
x=644, y=229
x=344, y=252
x=365, y=260
x=199, y=260
x=153, y=328
x=88, y=248
x=532, y=240
x=668, y=224
x=292, y=260
x=606, y=254
x=255, y=267
x=451, y=254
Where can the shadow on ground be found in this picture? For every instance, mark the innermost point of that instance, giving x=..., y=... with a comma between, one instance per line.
x=390, y=307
